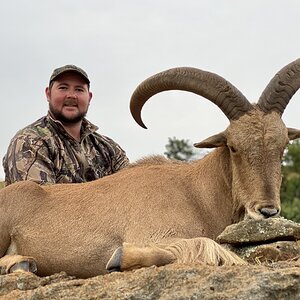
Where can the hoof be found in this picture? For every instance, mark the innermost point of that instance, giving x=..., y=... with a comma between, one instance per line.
x=17, y=263
x=24, y=266
x=114, y=263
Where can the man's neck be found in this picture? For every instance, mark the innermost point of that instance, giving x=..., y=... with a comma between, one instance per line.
x=73, y=130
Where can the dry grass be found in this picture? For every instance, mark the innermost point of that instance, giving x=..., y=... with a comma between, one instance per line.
x=1, y=184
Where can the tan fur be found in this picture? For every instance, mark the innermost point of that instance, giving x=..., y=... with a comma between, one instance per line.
x=155, y=160
x=77, y=227
x=203, y=250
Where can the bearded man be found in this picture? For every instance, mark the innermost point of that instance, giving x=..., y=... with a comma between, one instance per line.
x=63, y=146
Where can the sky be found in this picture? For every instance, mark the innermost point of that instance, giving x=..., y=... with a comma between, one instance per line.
x=120, y=43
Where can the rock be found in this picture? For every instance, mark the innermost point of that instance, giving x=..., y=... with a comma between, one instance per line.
x=28, y=281
x=167, y=283
x=266, y=240
x=258, y=231
x=266, y=253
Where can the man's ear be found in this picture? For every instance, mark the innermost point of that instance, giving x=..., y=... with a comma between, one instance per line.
x=217, y=140
x=47, y=92
x=91, y=96
x=293, y=133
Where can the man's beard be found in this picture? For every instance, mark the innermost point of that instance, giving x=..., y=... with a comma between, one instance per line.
x=57, y=115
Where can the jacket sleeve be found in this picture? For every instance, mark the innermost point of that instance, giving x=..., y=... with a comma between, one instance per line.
x=120, y=160
x=116, y=154
x=28, y=158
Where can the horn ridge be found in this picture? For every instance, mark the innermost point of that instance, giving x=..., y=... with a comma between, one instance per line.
x=281, y=88
x=208, y=85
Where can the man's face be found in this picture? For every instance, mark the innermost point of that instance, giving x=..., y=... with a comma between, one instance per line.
x=69, y=98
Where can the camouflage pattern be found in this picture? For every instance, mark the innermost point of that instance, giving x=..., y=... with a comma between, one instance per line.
x=69, y=68
x=45, y=153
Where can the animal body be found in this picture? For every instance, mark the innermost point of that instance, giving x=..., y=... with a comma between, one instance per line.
x=158, y=211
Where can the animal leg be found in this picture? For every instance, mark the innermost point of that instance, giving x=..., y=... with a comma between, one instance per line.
x=17, y=263
x=129, y=257
x=197, y=250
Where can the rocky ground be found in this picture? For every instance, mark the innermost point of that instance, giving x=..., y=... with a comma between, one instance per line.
x=271, y=247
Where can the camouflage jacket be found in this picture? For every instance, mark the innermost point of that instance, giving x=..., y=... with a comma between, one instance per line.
x=45, y=153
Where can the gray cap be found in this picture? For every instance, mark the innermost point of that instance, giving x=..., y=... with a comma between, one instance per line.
x=69, y=68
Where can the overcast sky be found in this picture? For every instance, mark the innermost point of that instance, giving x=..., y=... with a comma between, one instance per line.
x=122, y=42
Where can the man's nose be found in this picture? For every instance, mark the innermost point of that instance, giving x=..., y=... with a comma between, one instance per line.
x=71, y=94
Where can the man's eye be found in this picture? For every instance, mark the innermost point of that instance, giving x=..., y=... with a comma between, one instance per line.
x=62, y=87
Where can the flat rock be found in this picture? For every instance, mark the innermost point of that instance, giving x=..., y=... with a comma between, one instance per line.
x=260, y=231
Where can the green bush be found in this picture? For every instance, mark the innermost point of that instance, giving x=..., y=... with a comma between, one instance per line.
x=291, y=210
x=290, y=187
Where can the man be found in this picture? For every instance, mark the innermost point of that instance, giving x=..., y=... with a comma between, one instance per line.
x=63, y=146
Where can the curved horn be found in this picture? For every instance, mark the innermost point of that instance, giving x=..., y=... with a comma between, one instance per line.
x=281, y=88
x=209, y=85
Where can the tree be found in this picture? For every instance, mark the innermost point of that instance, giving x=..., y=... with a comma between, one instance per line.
x=290, y=187
x=292, y=157
x=179, y=149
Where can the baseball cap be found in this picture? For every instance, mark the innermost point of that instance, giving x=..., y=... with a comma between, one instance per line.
x=69, y=68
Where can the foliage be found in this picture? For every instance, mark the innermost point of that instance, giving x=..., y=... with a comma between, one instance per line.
x=292, y=157
x=179, y=149
x=290, y=187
